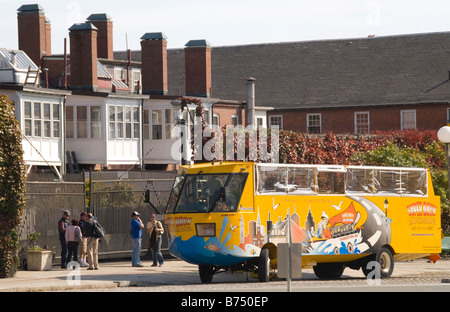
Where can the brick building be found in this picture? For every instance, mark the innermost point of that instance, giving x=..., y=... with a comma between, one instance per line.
x=344, y=86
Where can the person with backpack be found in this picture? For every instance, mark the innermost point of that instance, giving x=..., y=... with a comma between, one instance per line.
x=156, y=230
x=92, y=242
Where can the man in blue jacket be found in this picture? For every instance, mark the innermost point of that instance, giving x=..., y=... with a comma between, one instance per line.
x=136, y=237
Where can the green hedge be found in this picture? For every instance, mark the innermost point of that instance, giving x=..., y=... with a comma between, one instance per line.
x=12, y=187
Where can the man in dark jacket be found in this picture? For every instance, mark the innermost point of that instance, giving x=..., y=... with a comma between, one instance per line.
x=92, y=242
x=63, y=223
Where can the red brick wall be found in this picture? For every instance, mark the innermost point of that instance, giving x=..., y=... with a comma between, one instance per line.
x=198, y=71
x=104, y=39
x=32, y=35
x=432, y=116
x=226, y=112
x=154, y=66
x=83, y=59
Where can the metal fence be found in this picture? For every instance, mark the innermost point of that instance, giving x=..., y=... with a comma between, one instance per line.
x=45, y=201
x=115, y=195
x=111, y=196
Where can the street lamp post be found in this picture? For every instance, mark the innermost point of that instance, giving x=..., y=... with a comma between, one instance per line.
x=444, y=136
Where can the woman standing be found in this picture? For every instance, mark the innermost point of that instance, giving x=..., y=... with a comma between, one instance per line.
x=73, y=237
x=156, y=230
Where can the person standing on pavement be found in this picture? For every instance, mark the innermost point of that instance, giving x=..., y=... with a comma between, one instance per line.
x=156, y=230
x=73, y=237
x=92, y=243
x=63, y=223
x=136, y=227
x=83, y=242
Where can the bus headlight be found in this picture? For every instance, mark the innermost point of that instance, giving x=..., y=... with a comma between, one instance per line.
x=205, y=229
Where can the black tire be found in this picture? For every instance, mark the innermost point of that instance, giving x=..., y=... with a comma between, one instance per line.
x=329, y=271
x=385, y=259
x=264, y=266
x=206, y=273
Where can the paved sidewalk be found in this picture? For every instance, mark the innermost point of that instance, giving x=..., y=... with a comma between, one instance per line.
x=112, y=274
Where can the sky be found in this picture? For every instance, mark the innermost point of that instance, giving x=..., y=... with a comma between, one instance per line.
x=235, y=22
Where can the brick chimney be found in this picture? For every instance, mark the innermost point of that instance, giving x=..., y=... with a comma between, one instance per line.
x=104, y=24
x=154, y=63
x=32, y=31
x=48, y=37
x=198, y=68
x=83, y=57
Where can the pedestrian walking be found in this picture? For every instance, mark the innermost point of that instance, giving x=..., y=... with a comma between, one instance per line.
x=63, y=223
x=156, y=230
x=136, y=227
x=91, y=243
x=73, y=237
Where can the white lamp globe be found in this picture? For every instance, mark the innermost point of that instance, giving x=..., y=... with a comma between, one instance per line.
x=444, y=134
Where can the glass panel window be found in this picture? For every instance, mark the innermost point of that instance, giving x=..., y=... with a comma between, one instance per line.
x=28, y=120
x=234, y=120
x=119, y=124
x=112, y=122
x=56, y=121
x=156, y=124
x=408, y=119
x=146, y=129
x=127, y=122
x=37, y=119
x=96, y=122
x=362, y=123
x=135, y=114
x=169, y=122
x=47, y=122
x=276, y=121
x=69, y=122
x=82, y=122
x=313, y=123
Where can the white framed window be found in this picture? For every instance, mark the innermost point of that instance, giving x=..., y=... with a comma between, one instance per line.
x=276, y=120
x=216, y=120
x=135, y=121
x=123, y=122
x=37, y=118
x=169, y=121
x=408, y=119
x=146, y=125
x=119, y=122
x=259, y=122
x=96, y=122
x=313, y=123
x=28, y=118
x=82, y=122
x=362, y=122
x=234, y=120
x=156, y=124
x=56, y=121
x=41, y=119
x=47, y=120
x=112, y=122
